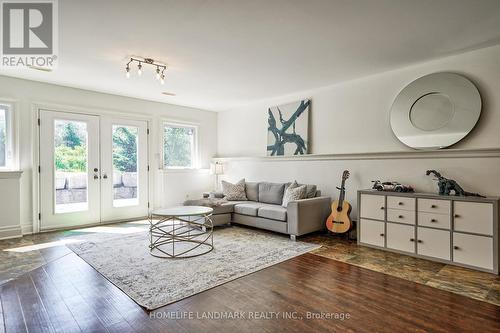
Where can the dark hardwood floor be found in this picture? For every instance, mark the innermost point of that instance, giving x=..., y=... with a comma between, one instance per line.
x=68, y=295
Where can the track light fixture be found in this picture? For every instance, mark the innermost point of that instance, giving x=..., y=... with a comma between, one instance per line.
x=157, y=72
x=160, y=67
x=162, y=76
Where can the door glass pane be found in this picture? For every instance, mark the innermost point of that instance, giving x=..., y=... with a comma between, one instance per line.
x=125, y=176
x=71, y=170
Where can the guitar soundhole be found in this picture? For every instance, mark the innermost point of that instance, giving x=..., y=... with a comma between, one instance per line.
x=339, y=209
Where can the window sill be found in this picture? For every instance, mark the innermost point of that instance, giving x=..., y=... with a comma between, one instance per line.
x=9, y=174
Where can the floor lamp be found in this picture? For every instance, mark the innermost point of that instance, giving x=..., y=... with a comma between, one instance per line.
x=217, y=170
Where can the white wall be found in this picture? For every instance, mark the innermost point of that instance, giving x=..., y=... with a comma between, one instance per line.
x=353, y=117
x=166, y=186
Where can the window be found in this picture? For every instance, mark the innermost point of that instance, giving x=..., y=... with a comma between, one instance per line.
x=179, y=146
x=6, y=153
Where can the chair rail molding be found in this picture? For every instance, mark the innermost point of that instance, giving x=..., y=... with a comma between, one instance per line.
x=390, y=155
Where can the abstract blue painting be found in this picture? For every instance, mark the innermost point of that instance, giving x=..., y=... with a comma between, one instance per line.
x=287, y=129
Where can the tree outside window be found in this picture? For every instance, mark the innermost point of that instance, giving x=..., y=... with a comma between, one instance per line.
x=179, y=146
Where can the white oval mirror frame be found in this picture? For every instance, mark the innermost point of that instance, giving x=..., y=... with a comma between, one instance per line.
x=435, y=111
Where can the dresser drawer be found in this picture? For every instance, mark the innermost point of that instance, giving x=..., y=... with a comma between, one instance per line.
x=401, y=237
x=475, y=217
x=434, y=220
x=372, y=232
x=401, y=203
x=373, y=206
x=473, y=250
x=434, y=206
x=433, y=243
x=401, y=216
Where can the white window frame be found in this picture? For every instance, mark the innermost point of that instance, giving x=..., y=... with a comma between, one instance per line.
x=194, y=154
x=10, y=144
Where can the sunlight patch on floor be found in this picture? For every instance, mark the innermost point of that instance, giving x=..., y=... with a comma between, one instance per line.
x=41, y=246
x=112, y=230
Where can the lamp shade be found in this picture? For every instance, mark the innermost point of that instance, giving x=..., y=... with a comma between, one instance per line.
x=217, y=168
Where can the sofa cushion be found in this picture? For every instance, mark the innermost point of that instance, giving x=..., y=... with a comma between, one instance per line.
x=252, y=191
x=248, y=208
x=271, y=193
x=234, y=191
x=226, y=207
x=273, y=212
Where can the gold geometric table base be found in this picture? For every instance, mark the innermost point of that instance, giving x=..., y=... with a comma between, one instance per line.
x=173, y=236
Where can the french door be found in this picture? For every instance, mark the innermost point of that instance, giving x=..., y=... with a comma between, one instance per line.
x=92, y=169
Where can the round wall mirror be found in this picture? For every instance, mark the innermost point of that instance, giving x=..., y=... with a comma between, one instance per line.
x=435, y=111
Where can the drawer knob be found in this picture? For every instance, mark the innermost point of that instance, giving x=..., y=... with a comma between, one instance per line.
x=420, y=241
x=400, y=216
x=382, y=235
x=400, y=203
x=456, y=247
x=433, y=206
x=433, y=220
x=412, y=239
x=382, y=207
x=456, y=215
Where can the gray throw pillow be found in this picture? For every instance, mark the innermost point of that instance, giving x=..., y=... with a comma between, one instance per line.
x=234, y=192
x=311, y=190
x=294, y=192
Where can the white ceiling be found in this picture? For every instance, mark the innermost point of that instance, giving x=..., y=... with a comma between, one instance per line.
x=223, y=54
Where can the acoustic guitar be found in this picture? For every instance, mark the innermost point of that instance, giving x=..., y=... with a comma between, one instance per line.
x=339, y=220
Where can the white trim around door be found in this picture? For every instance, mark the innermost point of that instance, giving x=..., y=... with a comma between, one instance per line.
x=110, y=185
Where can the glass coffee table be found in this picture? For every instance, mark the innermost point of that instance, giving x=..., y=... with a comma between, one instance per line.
x=181, y=232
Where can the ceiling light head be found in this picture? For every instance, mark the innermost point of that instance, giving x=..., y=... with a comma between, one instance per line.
x=139, y=69
x=162, y=79
x=157, y=72
x=127, y=71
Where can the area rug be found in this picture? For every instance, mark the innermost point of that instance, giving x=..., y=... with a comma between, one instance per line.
x=154, y=282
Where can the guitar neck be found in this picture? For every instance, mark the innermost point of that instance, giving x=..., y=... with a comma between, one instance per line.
x=342, y=193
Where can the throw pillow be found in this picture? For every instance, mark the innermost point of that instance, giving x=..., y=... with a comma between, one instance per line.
x=233, y=192
x=310, y=190
x=294, y=192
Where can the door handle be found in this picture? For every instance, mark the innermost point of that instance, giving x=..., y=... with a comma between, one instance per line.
x=105, y=176
x=96, y=177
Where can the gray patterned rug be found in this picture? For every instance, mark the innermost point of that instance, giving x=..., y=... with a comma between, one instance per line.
x=153, y=282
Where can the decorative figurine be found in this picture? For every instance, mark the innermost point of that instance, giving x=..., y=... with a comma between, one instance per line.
x=446, y=185
x=391, y=186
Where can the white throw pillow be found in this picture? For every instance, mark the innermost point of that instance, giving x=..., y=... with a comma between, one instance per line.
x=233, y=192
x=294, y=192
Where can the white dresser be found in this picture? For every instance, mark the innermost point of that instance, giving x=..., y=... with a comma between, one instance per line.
x=458, y=230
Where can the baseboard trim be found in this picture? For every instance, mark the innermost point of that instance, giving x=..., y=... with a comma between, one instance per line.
x=411, y=154
x=13, y=231
x=27, y=229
